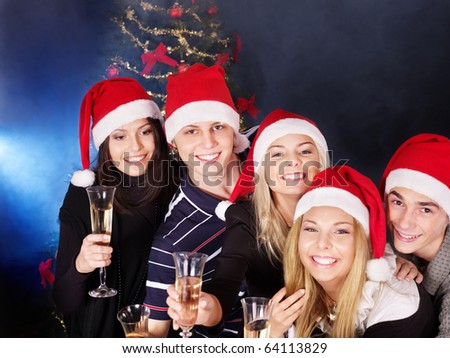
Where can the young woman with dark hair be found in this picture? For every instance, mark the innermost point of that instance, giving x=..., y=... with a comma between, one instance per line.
x=133, y=158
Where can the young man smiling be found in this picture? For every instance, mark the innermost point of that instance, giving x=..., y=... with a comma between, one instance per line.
x=416, y=188
x=202, y=125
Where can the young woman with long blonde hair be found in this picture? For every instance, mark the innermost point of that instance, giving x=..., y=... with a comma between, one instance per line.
x=336, y=252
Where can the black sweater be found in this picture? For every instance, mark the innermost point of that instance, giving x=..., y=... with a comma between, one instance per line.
x=132, y=237
x=241, y=259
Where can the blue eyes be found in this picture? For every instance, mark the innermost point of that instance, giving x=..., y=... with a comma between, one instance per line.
x=342, y=232
x=281, y=154
x=309, y=229
x=337, y=231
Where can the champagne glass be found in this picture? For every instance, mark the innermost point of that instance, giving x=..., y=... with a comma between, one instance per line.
x=101, y=203
x=257, y=311
x=134, y=321
x=189, y=270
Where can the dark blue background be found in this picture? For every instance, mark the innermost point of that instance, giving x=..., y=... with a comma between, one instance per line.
x=369, y=73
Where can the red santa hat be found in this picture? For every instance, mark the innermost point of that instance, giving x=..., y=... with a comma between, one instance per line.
x=277, y=124
x=345, y=188
x=421, y=164
x=200, y=94
x=111, y=104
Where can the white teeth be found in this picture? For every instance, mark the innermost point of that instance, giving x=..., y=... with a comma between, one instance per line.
x=324, y=260
x=135, y=159
x=208, y=157
x=293, y=176
x=409, y=237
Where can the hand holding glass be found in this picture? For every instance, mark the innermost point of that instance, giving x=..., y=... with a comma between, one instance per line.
x=101, y=203
x=257, y=311
x=188, y=273
x=134, y=321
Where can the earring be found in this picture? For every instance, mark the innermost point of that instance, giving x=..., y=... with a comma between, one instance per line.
x=173, y=152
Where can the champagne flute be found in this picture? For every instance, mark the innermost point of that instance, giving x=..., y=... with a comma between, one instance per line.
x=189, y=270
x=101, y=203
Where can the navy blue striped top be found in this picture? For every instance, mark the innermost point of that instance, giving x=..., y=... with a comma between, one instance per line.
x=189, y=225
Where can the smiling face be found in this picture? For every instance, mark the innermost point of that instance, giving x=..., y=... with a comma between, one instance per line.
x=416, y=222
x=207, y=149
x=131, y=147
x=291, y=163
x=327, y=245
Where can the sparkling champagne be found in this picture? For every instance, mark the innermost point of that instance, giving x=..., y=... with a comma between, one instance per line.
x=101, y=220
x=257, y=329
x=188, y=289
x=101, y=200
x=136, y=335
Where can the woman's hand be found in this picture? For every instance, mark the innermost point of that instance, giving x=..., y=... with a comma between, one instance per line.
x=406, y=270
x=95, y=252
x=285, y=311
x=209, y=309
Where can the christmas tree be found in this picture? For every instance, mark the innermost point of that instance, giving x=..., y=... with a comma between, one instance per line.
x=157, y=41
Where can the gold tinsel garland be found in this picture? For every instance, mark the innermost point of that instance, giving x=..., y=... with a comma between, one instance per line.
x=150, y=7
x=181, y=33
x=133, y=69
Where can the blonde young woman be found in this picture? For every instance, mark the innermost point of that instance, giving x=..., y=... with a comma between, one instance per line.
x=336, y=253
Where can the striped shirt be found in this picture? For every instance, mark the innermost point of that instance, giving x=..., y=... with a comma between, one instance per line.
x=190, y=225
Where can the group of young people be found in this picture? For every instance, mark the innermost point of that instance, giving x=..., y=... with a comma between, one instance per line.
x=275, y=219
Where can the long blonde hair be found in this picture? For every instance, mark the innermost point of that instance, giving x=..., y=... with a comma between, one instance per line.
x=316, y=307
x=271, y=228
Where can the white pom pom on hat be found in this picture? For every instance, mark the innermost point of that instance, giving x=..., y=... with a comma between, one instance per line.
x=110, y=104
x=83, y=178
x=378, y=270
x=221, y=209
